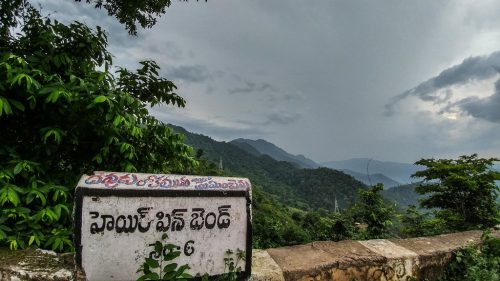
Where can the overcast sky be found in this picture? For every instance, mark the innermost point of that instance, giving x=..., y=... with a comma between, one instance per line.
x=392, y=80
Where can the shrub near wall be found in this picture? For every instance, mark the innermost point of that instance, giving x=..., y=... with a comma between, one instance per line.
x=64, y=113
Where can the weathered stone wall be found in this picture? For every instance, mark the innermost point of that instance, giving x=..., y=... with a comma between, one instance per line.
x=371, y=260
x=393, y=259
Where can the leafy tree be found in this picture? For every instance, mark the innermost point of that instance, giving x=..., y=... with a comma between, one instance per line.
x=133, y=12
x=416, y=223
x=375, y=212
x=63, y=112
x=462, y=190
x=272, y=224
x=342, y=228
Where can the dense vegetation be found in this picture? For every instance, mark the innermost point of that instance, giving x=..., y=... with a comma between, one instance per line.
x=64, y=113
x=478, y=263
x=463, y=190
x=306, y=189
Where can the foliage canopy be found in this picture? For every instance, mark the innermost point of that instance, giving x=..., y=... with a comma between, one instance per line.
x=463, y=190
x=375, y=212
x=63, y=112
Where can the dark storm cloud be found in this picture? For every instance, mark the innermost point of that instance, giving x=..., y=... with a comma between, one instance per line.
x=485, y=108
x=251, y=87
x=188, y=73
x=435, y=89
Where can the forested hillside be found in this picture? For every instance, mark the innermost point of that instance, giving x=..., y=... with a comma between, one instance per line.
x=305, y=189
x=403, y=195
x=290, y=205
x=277, y=153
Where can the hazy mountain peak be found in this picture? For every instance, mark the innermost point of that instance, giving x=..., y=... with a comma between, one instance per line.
x=275, y=152
x=399, y=172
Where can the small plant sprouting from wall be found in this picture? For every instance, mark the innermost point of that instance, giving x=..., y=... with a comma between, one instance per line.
x=476, y=263
x=159, y=265
x=231, y=263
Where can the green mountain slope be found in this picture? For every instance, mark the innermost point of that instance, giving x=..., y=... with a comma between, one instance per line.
x=373, y=179
x=277, y=153
x=301, y=188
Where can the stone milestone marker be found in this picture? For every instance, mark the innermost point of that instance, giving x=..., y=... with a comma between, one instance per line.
x=118, y=216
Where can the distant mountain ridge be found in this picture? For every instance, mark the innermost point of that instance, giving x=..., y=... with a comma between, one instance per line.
x=277, y=153
x=262, y=147
x=403, y=195
x=305, y=189
x=373, y=179
x=399, y=172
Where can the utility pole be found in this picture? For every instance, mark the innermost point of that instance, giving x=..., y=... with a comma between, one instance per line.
x=220, y=164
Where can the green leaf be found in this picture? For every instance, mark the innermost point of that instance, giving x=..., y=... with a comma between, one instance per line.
x=56, y=244
x=5, y=106
x=170, y=267
x=158, y=247
x=152, y=263
x=169, y=275
x=182, y=268
x=32, y=239
x=152, y=276
x=18, y=168
x=6, y=228
x=17, y=104
x=54, y=96
x=100, y=99
x=13, y=197
x=172, y=255
x=186, y=275
x=54, y=132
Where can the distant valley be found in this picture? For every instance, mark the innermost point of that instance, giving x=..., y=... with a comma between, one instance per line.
x=398, y=172
x=296, y=180
x=285, y=181
x=365, y=170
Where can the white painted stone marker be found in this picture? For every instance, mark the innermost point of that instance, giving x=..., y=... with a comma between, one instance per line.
x=119, y=215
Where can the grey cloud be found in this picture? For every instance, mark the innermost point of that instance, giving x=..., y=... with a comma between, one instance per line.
x=205, y=126
x=188, y=73
x=282, y=118
x=251, y=87
x=169, y=49
x=484, y=108
x=435, y=89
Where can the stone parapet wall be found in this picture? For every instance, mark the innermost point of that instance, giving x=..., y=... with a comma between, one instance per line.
x=372, y=260
x=392, y=259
